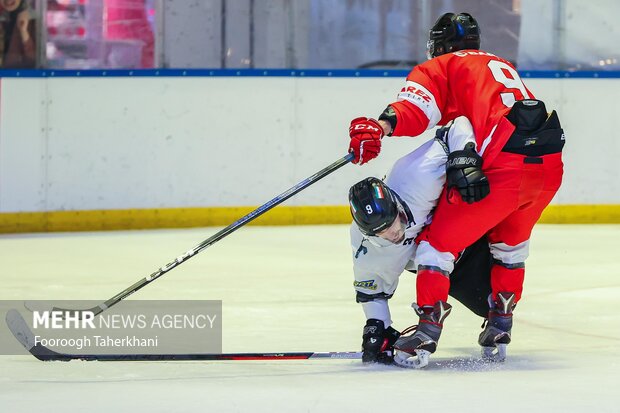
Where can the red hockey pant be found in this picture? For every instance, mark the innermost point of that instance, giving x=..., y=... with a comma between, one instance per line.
x=521, y=188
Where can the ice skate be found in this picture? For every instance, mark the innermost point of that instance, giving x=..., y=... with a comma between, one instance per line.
x=414, y=350
x=496, y=334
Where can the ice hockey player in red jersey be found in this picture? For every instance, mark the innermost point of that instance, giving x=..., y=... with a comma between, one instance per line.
x=516, y=156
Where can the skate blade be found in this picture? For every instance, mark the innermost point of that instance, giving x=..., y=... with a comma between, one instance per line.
x=497, y=353
x=418, y=360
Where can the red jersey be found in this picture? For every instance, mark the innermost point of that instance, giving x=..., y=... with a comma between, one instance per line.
x=470, y=83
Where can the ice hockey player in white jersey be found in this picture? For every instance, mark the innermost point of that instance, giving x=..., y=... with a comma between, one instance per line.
x=387, y=218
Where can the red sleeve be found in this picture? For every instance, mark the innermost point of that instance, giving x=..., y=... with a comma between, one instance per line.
x=419, y=103
x=410, y=119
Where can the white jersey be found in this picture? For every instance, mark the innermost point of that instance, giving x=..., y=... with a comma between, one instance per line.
x=418, y=178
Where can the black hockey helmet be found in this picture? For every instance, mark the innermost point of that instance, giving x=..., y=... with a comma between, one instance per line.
x=453, y=32
x=373, y=205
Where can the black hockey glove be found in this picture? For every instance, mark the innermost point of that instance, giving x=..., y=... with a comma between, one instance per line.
x=378, y=342
x=464, y=172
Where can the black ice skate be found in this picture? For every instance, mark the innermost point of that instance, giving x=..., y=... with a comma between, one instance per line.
x=496, y=334
x=414, y=350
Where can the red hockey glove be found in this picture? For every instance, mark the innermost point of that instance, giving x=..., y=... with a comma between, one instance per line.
x=366, y=134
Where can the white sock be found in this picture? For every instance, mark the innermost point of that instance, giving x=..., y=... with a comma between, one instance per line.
x=379, y=310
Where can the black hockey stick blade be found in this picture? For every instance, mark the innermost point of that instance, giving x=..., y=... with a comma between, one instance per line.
x=20, y=330
x=18, y=327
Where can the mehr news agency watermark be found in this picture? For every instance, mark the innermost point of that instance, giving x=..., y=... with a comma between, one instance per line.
x=58, y=320
x=131, y=327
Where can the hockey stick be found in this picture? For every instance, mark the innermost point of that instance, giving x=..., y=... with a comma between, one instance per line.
x=43, y=354
x=17, y=325
x=212, y=240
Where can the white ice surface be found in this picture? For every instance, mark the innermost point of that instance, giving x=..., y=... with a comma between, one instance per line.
x=290, y=289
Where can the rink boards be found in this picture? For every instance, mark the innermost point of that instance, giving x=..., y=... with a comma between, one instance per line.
x=82, y=152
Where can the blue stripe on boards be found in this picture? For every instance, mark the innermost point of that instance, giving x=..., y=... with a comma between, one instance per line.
x=348, y=73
